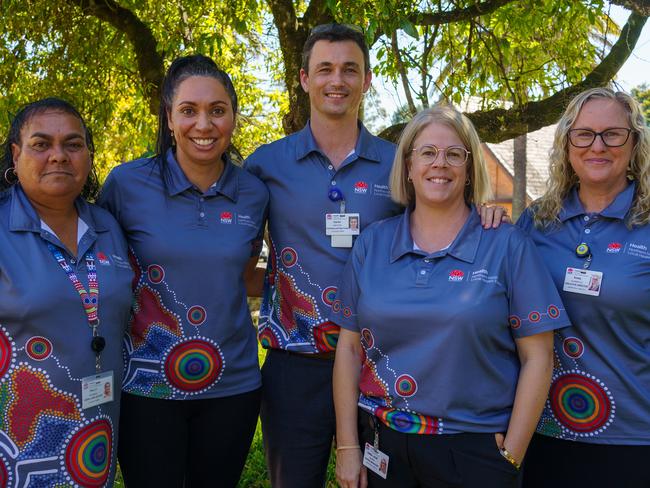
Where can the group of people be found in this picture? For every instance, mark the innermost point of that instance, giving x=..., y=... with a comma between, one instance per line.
x=430, y=348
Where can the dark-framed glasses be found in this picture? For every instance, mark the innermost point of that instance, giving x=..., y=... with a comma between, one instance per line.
x=612, y=137
x=428, y=153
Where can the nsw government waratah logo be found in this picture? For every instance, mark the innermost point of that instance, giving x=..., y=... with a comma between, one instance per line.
x=226, y=217
x=456, y=275
x=614, y=247
x=103, y=259
x=361, y=187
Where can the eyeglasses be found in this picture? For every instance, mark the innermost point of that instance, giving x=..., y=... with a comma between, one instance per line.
x=612, y=137
x=427, y=154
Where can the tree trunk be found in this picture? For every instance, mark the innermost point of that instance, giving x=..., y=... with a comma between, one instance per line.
x=519, y=178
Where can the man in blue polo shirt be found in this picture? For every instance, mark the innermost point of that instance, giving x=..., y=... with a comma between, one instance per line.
x=325, y=182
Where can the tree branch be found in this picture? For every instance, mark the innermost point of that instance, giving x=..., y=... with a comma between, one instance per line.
x=641, y=7
x=457, y=15
x=500, y=124
x=403, y=75
x=150, y=61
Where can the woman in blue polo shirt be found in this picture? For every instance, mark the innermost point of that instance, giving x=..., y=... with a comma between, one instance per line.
x=193, y=221
x=592, y=230
x=446, y=327
x=64, y=305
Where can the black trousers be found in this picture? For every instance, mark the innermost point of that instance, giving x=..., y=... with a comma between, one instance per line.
x=556, y=463
x=186, y=443
x=437, y=461
x=297, y=418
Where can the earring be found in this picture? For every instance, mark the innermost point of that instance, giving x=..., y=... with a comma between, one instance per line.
x=173, y=138
x=468, y=182
x=409, y=179
x=9, y=171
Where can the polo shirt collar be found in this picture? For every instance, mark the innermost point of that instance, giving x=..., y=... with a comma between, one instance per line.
x=464, y=247
x=23, y=217
x=618, y=209
x=176, y=182
x=366, y=146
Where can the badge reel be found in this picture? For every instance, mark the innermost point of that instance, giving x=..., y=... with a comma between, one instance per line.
x=341, y=227
x=583, y=280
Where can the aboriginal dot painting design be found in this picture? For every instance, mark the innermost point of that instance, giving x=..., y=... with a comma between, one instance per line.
x=515, y=322
x=38, y=348
x=573, y=347
x=150, y=313
x=534, y=317
x=367, y=339
x=409, y=422
x=553, y=311
x=268, y=339
x=6, y=351
x=370, y=383
x=406, y=386
x=297, y=310
x=289, y=257
x=193, y=366
x=88, y=454
x=326, y=336
x=581, y=403
x=196, y=315
x=6, y=477
x=156, y=273
x=328, y=295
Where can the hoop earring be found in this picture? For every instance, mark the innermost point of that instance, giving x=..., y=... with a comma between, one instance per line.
x=468, y=182
x=8, y=171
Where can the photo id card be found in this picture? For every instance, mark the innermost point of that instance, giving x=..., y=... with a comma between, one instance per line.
x=342, y=224
x=583, y=281
x=96, y=389
x=375, y=460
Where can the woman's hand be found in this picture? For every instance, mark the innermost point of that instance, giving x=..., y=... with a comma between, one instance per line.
x=350, y=472
x=518, y=456
x=493, y=216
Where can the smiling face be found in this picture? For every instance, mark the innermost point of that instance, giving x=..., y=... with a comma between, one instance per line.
x=52, y=161
x=600, y=166
x=336, y=79
x=202, y=120
x=437, y=184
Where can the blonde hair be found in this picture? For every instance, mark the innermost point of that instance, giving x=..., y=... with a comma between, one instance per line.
x=562, y=178
x=478, y=190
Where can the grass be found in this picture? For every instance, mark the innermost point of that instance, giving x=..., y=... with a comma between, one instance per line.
x=255, y=474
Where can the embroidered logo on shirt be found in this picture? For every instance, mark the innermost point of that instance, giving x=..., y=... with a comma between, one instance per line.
x=456, y=275
x=226, y=217
x=614, y=247
x=120, y=262
x=638, y=250
x=361, y=187
x=381, y=190
x=246, y=220
x=484, y=276
x=103, y=259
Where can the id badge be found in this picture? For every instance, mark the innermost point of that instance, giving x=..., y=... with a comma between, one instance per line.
x=342, y=224
x=583, y=281
x=375, y=460
x=97, y=389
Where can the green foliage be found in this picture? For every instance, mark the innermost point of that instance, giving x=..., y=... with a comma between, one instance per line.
x=53, y=48
x=642, y=94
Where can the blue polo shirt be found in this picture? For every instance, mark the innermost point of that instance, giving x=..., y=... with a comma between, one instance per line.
x=601, y=381
x=438, y=330
x=191, y=335
x=304, y=268
x=46, y=437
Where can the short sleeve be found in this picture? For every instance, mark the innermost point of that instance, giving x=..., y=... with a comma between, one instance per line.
x=109, y=197
x=344, y=307
x=534, y=302
x=525, y=221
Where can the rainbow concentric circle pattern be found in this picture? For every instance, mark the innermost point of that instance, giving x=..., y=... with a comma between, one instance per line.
x=573, y=347
x=329, y=295
x=289, y=257
x=406, y=386
x=88, y=455
x=196, y=315
x=580, y=402
x=6, y=352
x=38, y=348
x=193, y=365
x=156, y=273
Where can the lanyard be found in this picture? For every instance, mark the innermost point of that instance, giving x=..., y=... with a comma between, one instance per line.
x=89, y=299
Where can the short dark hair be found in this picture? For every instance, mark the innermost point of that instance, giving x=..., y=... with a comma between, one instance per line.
x=23, y=116
x=181, y=69
x=336, y=33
